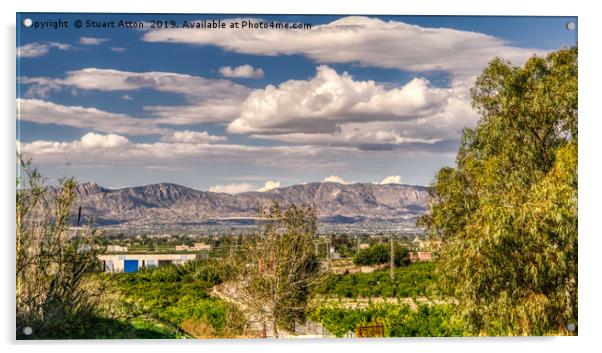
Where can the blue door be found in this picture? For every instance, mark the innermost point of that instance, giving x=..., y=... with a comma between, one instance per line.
x=130, y=265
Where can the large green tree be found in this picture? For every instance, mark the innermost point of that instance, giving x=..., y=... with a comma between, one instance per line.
x=507, y=213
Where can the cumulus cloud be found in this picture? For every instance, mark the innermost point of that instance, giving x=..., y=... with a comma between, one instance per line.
x=362, y=40
x=92, y=40
x=243, y=71
x=336, y=179
x=188, y=136
x=92, y=140
x=320, y=104
x=317, y=104
x=109, y=143
x=209, y=100
x=391, y=179
x=269, y=185
x=337, y=110
x=35, y=49
x=233, y=188
x=127, y=97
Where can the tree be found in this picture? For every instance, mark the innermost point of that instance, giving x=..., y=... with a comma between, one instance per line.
x=276, y=268
x=507, y=213
x=381, y=254
x=52, y=262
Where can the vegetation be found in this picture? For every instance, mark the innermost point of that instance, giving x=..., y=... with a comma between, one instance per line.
x=177, y=297
x=277, y=267
x=53, y=294
x=506, y=216
x=507, y=213
x=398, y=320
x=381, y=254
x=411, y=281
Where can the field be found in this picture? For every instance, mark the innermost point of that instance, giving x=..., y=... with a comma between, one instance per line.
x=178, y=302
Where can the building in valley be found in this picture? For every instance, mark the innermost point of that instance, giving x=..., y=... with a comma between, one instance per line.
x=135, y=262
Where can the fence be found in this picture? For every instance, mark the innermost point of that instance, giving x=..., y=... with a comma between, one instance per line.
x=312, y=328
x=370, y=331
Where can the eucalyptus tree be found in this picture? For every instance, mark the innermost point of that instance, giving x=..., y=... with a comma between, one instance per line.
x=507, y=212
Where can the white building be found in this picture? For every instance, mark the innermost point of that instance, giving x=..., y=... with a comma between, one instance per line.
x=116, y=248
x=135, y=262
x=201, y=247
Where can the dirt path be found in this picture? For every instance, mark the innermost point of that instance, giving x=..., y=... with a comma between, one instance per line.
x=258, y=327
x=361, y=303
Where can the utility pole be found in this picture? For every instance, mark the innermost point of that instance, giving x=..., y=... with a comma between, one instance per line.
x=328, y=251
x=392, y=258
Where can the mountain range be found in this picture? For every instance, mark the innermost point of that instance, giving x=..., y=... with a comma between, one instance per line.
x=171, y=204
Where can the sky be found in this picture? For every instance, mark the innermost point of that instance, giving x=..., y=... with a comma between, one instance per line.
x=378, y=99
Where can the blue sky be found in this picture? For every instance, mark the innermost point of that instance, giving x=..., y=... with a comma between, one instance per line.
x=354, y=99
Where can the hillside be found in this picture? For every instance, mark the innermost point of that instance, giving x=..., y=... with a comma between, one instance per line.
x=171, y=204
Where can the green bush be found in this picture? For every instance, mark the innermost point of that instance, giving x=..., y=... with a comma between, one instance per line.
x=398, y=320
x=411, y=281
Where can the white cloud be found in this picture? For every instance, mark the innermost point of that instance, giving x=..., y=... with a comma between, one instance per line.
x=43, y=112
x=188, y=136
x=188, y=85
x=109, y=143
x=39, y=86
x=269, y=185
x=391, y=179
x=328, y=99
x=118, y=49
x=127, y=97
x=34, y=50
x=212, y=111
x=233, y=188
x=243, y=71
x=92, y=40
x=92, y=140
x=363, y=40
x=112, y=149
x=336, y=110
x=209, y=100
x=336, y=179
x=352, y=134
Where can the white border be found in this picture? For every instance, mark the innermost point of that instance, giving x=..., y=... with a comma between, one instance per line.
x=589, y=117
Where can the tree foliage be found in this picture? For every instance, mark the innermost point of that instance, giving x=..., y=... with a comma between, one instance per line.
x=380, y=254
x=178, y=296
x=507, y=213
x=276, y=269
x=398, y=320
x=411, y=281
x=53, y=297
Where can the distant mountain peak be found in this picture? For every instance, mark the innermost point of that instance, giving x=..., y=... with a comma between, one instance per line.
x=170, y=204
